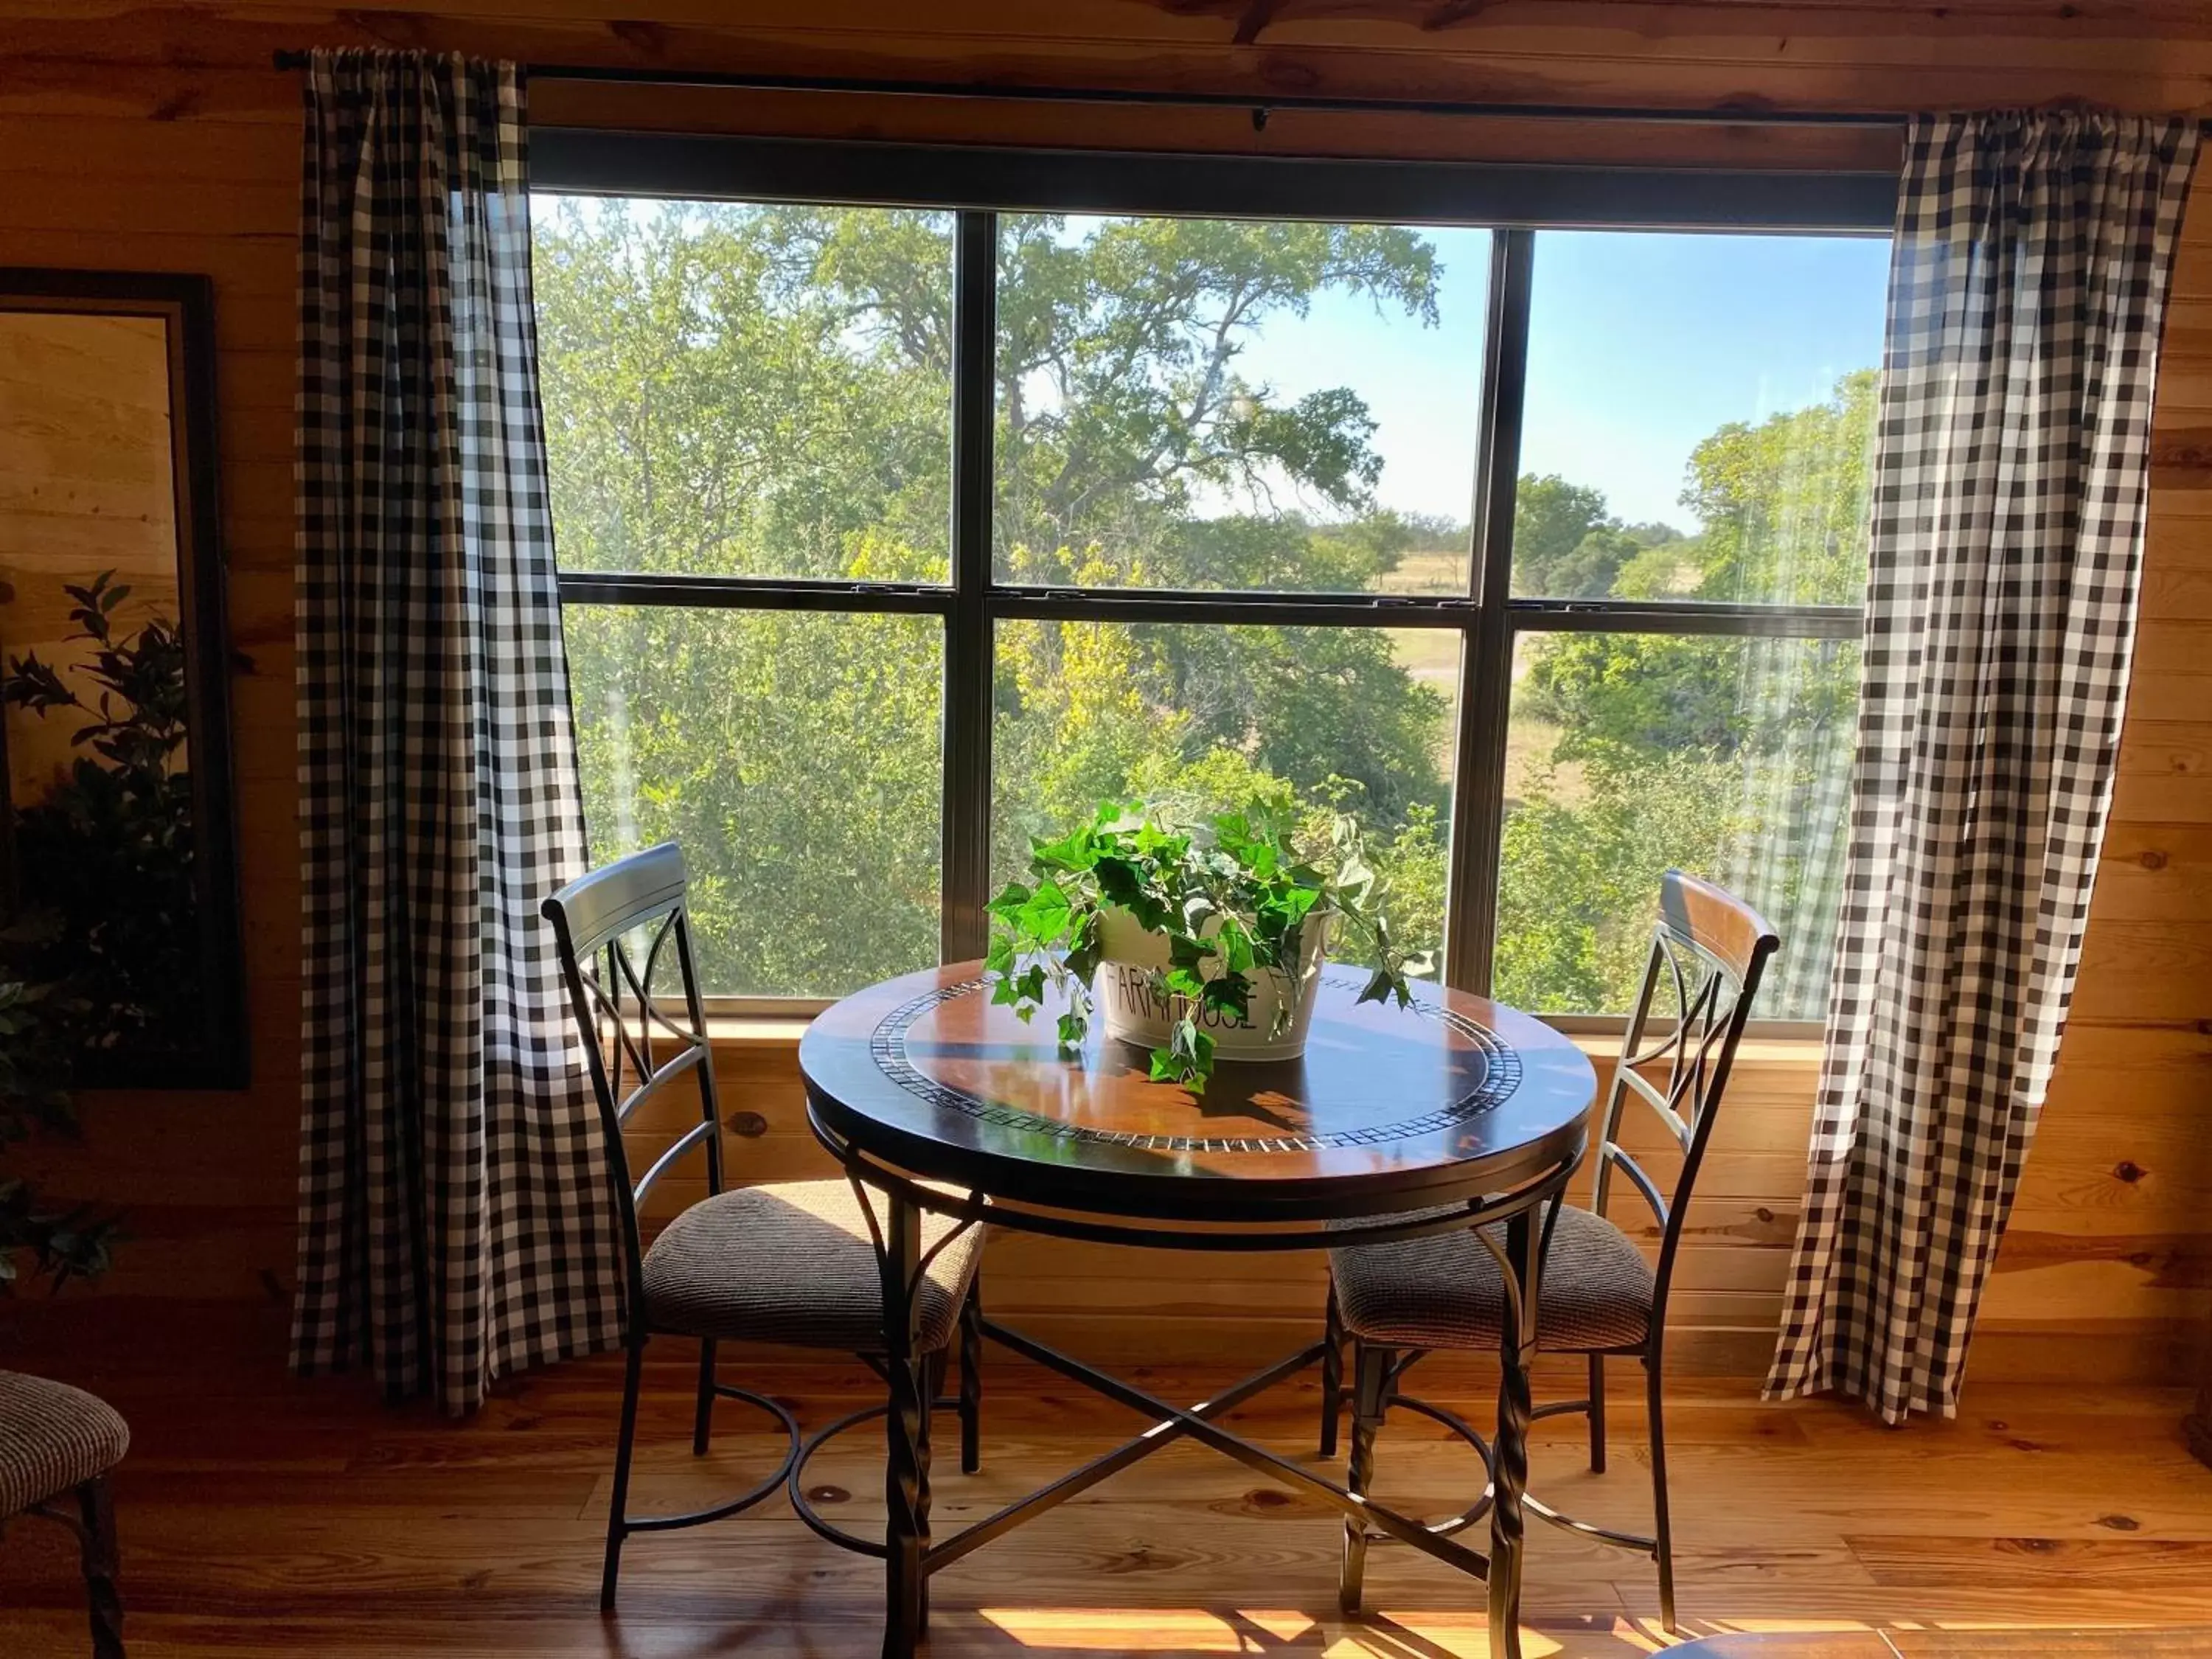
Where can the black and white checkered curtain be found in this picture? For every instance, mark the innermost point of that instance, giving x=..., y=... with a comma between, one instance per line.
x=453, y=1202
x=2026, y=291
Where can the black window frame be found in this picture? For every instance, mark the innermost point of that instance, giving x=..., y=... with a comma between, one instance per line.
x=977, y=184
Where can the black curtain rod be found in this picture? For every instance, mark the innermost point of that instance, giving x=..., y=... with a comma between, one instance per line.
x=1259, y=106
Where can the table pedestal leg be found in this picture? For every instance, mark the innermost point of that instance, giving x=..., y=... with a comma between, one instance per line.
x=906, y=1468
x=1510, y=1464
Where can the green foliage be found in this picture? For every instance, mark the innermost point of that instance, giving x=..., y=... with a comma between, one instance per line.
x=1575, y=909
x=1722, y=755
x=1119, y=391
x=1550, y=518
x=1232, y=897
x=1785, y=503
x=797, y=756
x=38, y=1030
x=111, y=844
x=719, y=399
x=1567, y=546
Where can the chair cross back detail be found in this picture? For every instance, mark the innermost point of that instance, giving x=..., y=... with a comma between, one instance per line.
x=1708, y=952
x=618, y=930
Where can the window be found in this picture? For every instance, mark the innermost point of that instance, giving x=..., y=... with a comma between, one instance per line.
x=796, y=757
x=1694, y=435
x=892, y=536
x=1267, y=405
x=1201, y=717
x=755, y=393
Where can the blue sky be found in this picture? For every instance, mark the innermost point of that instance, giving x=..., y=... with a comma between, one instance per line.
x=1640, y=344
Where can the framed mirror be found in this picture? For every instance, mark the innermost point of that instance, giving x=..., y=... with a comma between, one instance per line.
x=118, y=867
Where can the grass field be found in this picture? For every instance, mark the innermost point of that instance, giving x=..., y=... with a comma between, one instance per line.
x=1431, y=657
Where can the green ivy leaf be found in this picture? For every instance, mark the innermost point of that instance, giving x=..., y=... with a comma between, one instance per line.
x=1235, y=945
x=1229, y=994
x=1074, y=851
x=1045, y=917
x=1083, y=951
x=1188, y=952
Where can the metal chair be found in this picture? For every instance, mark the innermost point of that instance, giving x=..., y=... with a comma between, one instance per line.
x=786, y=1263
x=57, y=1445
x=1599, y=1297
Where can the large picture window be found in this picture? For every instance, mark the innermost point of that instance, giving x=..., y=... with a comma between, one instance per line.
x=892, y=536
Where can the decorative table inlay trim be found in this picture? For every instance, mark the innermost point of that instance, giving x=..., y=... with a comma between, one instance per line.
x=1501, y=1077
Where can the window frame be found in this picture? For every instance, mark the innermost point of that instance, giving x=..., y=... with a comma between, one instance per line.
x=977, y=184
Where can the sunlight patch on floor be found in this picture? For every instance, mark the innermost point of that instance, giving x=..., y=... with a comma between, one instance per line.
x=1460, y=1633
x=1456, y=1635
x=1146, y=1630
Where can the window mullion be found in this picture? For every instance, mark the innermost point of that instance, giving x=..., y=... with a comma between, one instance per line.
x=967, y=868
x=1485, y=667
x=1723, y=620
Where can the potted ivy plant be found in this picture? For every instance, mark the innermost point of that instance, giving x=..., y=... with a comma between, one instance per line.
x=1201, y=942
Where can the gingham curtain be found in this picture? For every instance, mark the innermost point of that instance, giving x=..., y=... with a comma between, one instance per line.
x=452, y=1198
x=2027, y=285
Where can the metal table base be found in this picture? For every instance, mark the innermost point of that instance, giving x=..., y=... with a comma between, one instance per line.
x=912, y=1557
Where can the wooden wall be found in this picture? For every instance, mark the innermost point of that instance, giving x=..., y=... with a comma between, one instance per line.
x=157, y=137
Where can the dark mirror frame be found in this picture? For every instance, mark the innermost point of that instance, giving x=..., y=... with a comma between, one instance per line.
x=186, y=304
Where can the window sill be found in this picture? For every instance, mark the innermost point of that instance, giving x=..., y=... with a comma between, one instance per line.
x=757, y=1033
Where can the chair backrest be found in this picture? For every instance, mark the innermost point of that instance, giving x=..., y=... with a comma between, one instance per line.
x=1708, y=952
x=617, y=929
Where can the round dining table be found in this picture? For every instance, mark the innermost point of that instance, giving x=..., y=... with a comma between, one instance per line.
x=1399, y=1121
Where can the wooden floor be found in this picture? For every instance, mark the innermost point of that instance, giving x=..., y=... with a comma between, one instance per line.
x=265, y=1515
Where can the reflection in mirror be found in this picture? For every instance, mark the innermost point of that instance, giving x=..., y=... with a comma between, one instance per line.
x=111, y=699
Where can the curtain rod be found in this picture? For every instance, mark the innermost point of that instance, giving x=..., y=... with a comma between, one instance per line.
x=1259, y=106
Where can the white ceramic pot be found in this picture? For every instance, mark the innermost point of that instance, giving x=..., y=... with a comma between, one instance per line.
x=1133, y=1012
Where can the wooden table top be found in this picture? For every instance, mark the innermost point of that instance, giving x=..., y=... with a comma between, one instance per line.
x=1390, y=1109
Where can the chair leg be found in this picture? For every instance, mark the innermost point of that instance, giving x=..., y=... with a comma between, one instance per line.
x=935, y=1368
x=1332, y=1372
x=1597, y=1414
x=617, y=1507
x=972, y=1381
x=96, y=1507
x=703, y=1418
x=1370, y=1382
x=1663, y=1531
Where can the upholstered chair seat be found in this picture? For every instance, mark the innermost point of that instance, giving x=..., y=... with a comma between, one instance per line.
x=53, y=1438
x=57, y=1445
x=794, y=1263
x=1447, y=1291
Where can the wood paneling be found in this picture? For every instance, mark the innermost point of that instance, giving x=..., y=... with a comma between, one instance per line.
x=155, y=137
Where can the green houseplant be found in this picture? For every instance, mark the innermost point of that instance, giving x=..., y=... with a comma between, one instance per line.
x=1243, y=913
x=110, y=843
x=38, y=1239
